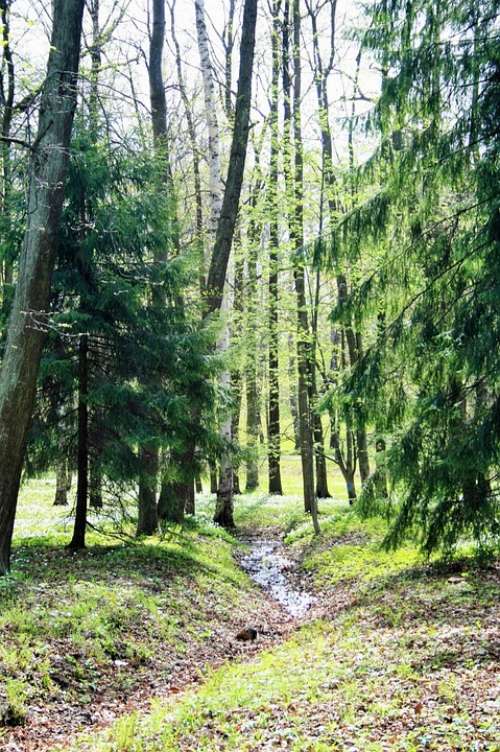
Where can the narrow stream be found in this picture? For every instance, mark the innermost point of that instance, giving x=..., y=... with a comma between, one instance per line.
x=267, y=566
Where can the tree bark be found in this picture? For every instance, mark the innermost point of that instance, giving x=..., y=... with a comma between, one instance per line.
x=292, y=387
x=322, y=491
x=227, y=220
x=195, y=152
x=95, y=483
x=274, y=426
x=216, y=193
x=25, y=336
x=80, y=526
x=61, y=497
x=147, y=522
x=230, y=204
x=297, y=236
x=214, y=484
x=7, y=101
x=251, y=347
x=172, y=503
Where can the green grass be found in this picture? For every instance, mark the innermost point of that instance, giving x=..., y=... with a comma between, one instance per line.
x=399, y=657
x=73, y=624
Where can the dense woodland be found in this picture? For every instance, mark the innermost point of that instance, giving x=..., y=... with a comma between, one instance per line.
x=276, y=227
x=249, y=375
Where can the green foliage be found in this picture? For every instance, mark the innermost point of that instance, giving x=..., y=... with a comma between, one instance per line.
x=429, y=380
x=120, y=280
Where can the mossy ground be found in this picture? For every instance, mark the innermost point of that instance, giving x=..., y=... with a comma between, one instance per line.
x=399, y=654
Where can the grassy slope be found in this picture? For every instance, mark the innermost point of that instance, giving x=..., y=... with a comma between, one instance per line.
x=401, y=657
x=79, y=629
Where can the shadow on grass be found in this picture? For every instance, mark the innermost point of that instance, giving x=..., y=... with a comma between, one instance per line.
x=42, y=560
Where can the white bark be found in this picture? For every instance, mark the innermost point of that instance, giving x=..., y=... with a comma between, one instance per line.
x=216, y=196
x=216, y=188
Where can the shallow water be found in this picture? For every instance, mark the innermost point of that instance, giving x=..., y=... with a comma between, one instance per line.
x=266, y=564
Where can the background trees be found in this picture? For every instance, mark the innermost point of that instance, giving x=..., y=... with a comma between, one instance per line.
x=339, y=196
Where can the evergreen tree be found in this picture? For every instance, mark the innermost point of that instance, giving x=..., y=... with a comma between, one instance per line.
x=430, y=379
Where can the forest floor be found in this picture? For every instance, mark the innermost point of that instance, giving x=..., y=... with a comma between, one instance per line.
x=130, y=646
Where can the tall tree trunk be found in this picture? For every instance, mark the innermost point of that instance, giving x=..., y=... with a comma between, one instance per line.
x=230, y=205
x=194, y=150
x=251, y=345
x=214, y=483
x=225, y=487
x=235, y=423
x=224, y=505
x=25, y=336
x=274, y=433
x=172, y=502
x=236, y=375
x=80, y=526
x=215, y=176
x=321, y=77
x=344, y=455
x=228, y=41
x=228, y=215
x=297, y=236
x=150, y=453
x=7, y=102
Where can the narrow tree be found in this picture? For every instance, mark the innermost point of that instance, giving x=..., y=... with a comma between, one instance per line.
x=296, y=179
x=230, y=205
x=274, y=432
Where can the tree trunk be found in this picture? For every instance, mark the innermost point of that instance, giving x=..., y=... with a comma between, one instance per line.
x=224, y=507
x=78, y=540
x=292, y=387
x=172, y=502
x=274, y=427
x=225, y=490
x=297, y=236
x=7, y=97
x=147, y=522
x=190, y=504
x=25, y=336
x=251, y=350
x=214, y=484
x=351, y=487
x=194, y=149
x=236, y=375
x=322, y=491
x=235, y=424
x=321, y=76
x=160, y=137
x=363, y=460
x=61, y=497
x=230, y=204
x=228, y=215
x=215, y=179
x=95, y=484
x=380, y=474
